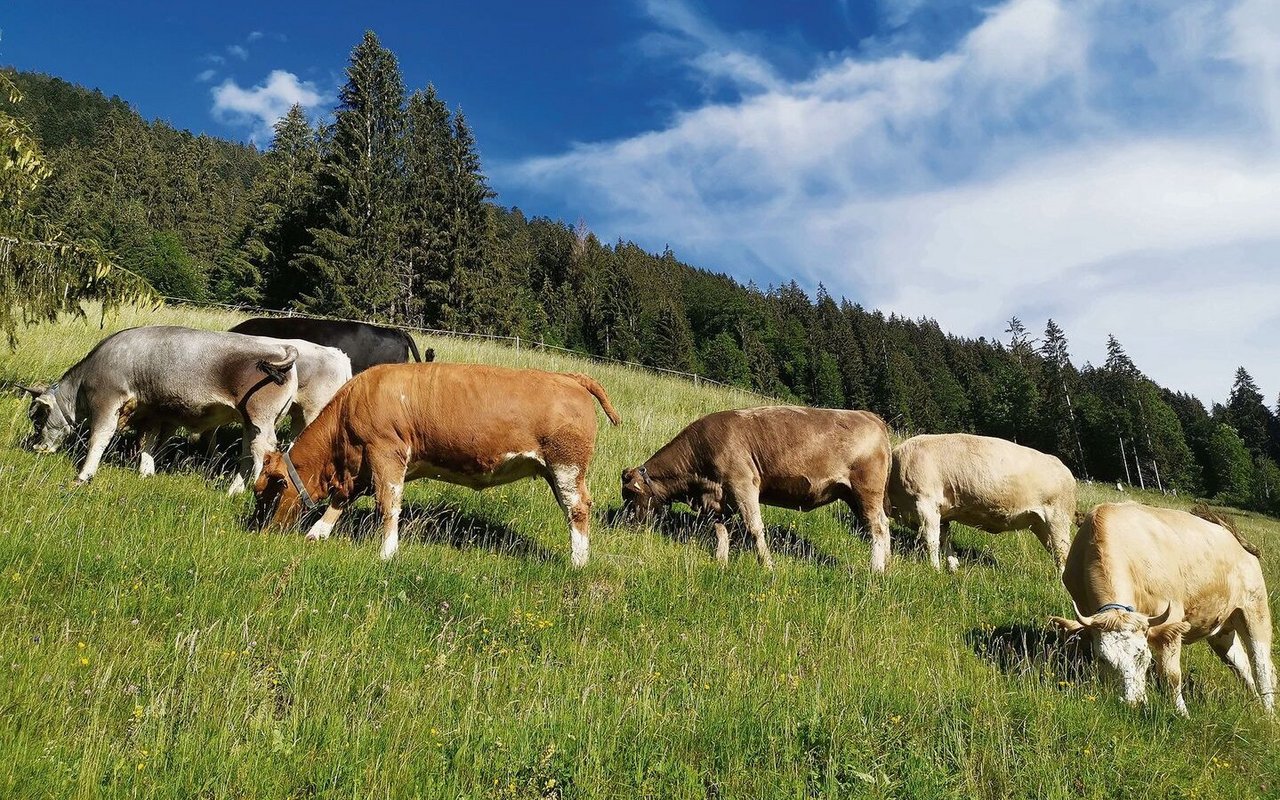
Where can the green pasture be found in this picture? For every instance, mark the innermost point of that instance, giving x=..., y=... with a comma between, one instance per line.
x=150, y=646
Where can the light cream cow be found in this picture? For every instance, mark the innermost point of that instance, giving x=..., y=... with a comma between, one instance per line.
x=988, y=483
x=1153, y=579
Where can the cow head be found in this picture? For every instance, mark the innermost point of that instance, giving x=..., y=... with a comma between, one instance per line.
x=276, y=502
x=637, y=494
x=1122, y=641
x=49, y=426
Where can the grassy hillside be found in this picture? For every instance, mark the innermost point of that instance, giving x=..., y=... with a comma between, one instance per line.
x=155, y=648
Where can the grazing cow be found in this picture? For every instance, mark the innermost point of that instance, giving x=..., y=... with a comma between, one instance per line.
x=367, y=345
x=161, y=377
x=991, y=484
x=467, y=424
x=731, y=462
x=1156, y=578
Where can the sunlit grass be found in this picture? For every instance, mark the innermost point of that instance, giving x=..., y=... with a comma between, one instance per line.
x=152, y=647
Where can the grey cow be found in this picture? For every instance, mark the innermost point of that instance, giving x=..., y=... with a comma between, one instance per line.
x=161, y=377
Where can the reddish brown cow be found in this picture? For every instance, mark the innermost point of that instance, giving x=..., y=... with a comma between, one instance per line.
x=800, y=458
x=468, y=424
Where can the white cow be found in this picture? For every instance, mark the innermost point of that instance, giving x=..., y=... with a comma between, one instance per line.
x=989, y=483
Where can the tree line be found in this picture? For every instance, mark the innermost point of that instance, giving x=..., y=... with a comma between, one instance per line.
x=385, y=213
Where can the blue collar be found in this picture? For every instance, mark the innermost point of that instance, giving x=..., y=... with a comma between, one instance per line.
x=1116, y=607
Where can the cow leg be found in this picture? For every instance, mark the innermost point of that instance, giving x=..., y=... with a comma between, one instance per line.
x=944, y=542
x=1168, y=658
x=930, y=529
x=148, y=443
x=1230, y=648
x=1257, y=639
x=258, y=441
x=324, y=526
x=722, y=541
x=1054, y=532
x=389, y=492
x=100, y=433
x=749, y=507
x=569, y=485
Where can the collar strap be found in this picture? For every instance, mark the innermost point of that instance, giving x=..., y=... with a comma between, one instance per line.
x=296, y=480
x=644, y=473
x=1116, y=607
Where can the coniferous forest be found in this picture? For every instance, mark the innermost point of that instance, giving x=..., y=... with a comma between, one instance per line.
x=384, y=213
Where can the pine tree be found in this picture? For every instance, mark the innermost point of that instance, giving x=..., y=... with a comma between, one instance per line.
x=476, y=282
x=351, y=258
x=427, y=243
x=1248, y=414
x=262, y=268
x=1058, y=433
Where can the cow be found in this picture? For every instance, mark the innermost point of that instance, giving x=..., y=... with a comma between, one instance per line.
x=989, y=483
x=1154, y=579
x=160, y=377
x=730, y=462
x=366, y=344
x=467, y=424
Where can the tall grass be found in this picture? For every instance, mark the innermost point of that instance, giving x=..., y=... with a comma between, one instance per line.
x=152, y=647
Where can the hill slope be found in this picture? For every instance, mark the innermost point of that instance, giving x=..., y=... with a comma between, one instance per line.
x=157, y=649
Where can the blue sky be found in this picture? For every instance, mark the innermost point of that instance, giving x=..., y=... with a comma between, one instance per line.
x=1113, y=165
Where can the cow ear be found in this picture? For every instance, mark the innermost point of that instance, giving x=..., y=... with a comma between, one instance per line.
x=34, y=391
x=1066, y=625
x=627, y=473
x=271, y=462
x=1168, y=633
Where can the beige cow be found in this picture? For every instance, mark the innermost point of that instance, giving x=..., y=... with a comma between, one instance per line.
x=1154, y=579
x=730, y=463
x=988, y=483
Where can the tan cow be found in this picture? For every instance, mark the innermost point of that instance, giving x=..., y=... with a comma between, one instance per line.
x=991, y=484
x=1155, y=579
x=731, y=462
x=467, y=424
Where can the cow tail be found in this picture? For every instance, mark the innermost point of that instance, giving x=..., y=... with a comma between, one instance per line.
x=276, y=369
x=413, y=347
x=589, y=383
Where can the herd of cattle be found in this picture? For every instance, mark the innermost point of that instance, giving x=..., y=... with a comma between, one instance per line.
x=1155, y=578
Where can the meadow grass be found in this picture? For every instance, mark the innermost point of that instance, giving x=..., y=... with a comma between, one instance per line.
x=153, y=647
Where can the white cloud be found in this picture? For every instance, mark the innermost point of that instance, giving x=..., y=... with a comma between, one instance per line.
x=206, y=75
x=253, y=36
x=261, y=106
x=238, y=51
x=1115, y=167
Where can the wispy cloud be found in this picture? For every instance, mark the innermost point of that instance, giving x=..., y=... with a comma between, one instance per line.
x=206, y=75
x=253, y=36
x=238, y=51
x=260, y=107
x=1095, y=162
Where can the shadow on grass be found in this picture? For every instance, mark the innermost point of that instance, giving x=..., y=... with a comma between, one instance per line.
x=1020, y=650
x=438, y=522
x=684, y=527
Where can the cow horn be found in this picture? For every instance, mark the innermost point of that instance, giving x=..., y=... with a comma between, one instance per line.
x=34, y=391
x=1161, y=618
x=1081, y=618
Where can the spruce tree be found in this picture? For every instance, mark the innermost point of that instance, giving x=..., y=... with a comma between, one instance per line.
x=351, y=260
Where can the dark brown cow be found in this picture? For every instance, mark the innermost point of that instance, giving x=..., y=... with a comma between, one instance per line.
x=467, y=424
x=731, y=462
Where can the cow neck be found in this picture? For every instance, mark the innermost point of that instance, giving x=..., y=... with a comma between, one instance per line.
x=671, y=475
x=1107, y=585
x=307, y=456
x=66, y=393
